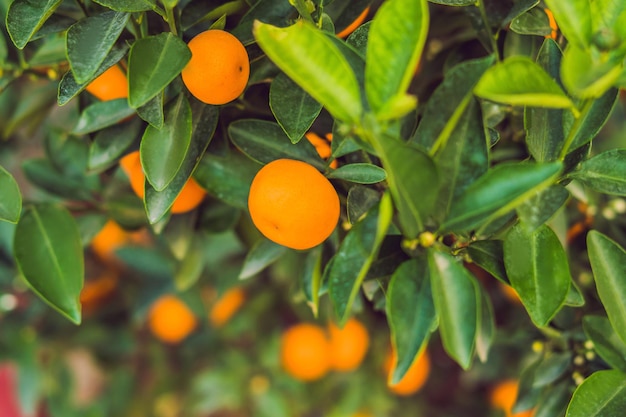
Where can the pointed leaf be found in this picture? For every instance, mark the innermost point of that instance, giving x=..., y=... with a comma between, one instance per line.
x=102, y=114
x=315, y=63
x=410, y=312
x=603, y=394
x=10, y=197
x=261, y=255
x=25, y=17
x=605, y=173
x=608, y=262
x=538, y=269
x=360, y=173
x=486, y=326
x=395, y=42
x=49, y=254
x=489, y=255
x=110, y=144
x=605, y=340
x=539, y=208
x=128, y=5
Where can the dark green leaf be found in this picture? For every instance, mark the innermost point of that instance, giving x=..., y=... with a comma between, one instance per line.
x=534, y=22
x=42, y=173
x=360, y=200
x=489, y=255
x=152, y=111
x=260, y=256
x=603, y=394
x=553, y=401
x=294, y=109
x=593, y=120
x=90, y=40
x=316, y=64
x=361, y=173
x=605, y=173
x=25, y=17
x=608, y=262
x=266, y=11
x=540, y=207
x=538, y=269
x=110, y=144
x=153, y=63
x=394, y=48
x=50, y=256
x=265, y=141
x=605, y=340
x=102, y=114
x=500, y=190
x=457, y=302
x=552, y=367
x=128, y=5
x=410, y=312
x=10, y=197
x=454, y=2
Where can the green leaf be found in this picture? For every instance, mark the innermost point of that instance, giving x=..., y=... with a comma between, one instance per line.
x=489, y=255
x=261, y=255
x=90, y=40
x=539, y=208
x=410, y=312
x=413, y=195
x=10, y=197
x=457, y=297
x=446, y=106
x=603, y=394
x=316, y=64
x=294, y=109
x=360, y=200
x=499, y=191
x=152, y=111
x=585, y=75
x=396, y=39
x=25, y=17
x=520, y=81
x=265, y=141
x=204, y=121
x=486, y=326
x=102, y=114
x=50, y=256
x=593, y=120
x=266, y=11
x=153, y=63
x=192, y=264
x=42, y=173
x=533, y=22
x=454, y=2
x=605, y=340
x=608, y=262
x=605, y=172
x=110, y=144
x=554, y=400
x=355, y=256
x=361, y=173
x=538, y=269
x=128, y=6
x=574, y=20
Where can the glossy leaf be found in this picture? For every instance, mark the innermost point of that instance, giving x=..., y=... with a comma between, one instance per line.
x=128, y=5
x=265, y=141
x=10, y=197
x=90, y=40
x=532, y=22
x=355, y=256
x=48, y=251
x=608, y=262
x=410, y=312
x=102, y=114
x=152, y=111
x=457, y=303
x=294, y=109
x=520, y=81
x=605, y=173
x=25, y=17
x=592, y=121
x=361, y=173
x=153, y=63
x=489, y=255
x=605, y=340
x=539, y=208
x=538, y=269
x=360, y=200
x=603, y=394
x=261, y=255
x=316, y=64
x=393, y=49
x=163, y=151
x=499, y=191
x=109, y=145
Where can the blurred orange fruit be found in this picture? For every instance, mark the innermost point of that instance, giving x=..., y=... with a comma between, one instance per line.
x=226, y=306
x=108, y=240
x=355, y=24
x=218, y=70
x=510, y=293
x=322, y=146
x=415, y=377
x=190, y=197
x=109, y=85
x=348, y=346
x=170, y=320
x=293, y=204
x=304, y=352
x=503, y=397
x=95, y=291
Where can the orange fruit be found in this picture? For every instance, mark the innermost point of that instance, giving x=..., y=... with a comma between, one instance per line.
x=189, y=197
x=510, y=293
x=218, y=70
x=226, y=306
x=553, y=24
x=170, y=320
x=503, y=397
x=355, y=24
x=95, y=291
x=293, y=204
x=362, y=414
x=348, y=346
x=413, y=379
x=304, y=352
x=109, y=85
x=322, y=146
x=108, y=240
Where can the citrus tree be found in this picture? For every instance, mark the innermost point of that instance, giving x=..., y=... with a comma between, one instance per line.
x=214, y=199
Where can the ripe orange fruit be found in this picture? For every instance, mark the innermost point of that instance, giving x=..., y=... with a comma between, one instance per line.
x=322, y=146
x=218, y=70
x=553, y=24
x=414, y=378
x=95, y=291
x=355, y=24
x=170, y=320
x=189, y=197
x=293, y=204
x=362, y=414
x=226, y=306
x=503, y=397
x=510, y=293
x=108, y=240
x=304, y=352
x=348, y=346
x=109, y=85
